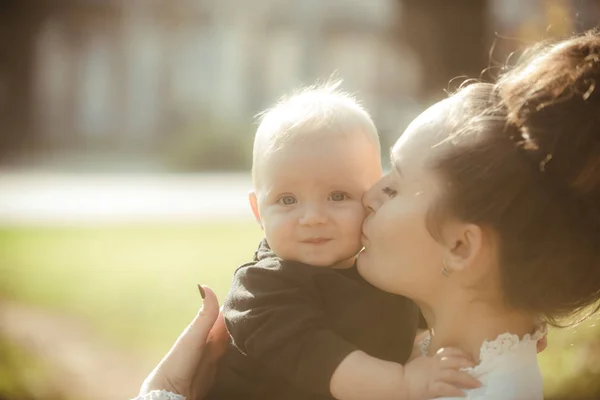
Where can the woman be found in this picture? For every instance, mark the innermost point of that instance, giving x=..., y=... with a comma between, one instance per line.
x=188, y=369
x=498, y=190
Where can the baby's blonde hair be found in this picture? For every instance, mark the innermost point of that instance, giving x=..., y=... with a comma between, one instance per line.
x=309, y=112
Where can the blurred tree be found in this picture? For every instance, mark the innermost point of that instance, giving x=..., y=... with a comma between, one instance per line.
x=449, y=38
x=19, y=21
x=20, y=24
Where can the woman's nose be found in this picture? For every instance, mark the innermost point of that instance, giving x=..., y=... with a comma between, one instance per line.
x=370, y=201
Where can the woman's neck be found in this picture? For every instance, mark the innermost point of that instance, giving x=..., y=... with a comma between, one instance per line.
x=466, y=324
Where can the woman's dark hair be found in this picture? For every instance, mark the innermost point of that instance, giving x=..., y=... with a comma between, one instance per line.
x=525, y=162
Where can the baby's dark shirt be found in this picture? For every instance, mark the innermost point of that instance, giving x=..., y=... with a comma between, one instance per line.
x=291, y=325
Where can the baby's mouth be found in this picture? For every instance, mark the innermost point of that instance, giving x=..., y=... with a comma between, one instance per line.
x=317, y=240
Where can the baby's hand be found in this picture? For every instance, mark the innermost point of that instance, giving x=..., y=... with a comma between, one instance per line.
x=439, y=375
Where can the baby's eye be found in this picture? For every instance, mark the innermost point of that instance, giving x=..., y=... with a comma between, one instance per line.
x=389, y=191
x=287, y=200
x=338, y=196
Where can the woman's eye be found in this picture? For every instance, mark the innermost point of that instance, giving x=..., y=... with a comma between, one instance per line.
x=389, y=191
x=338, y=196
x=287, y=200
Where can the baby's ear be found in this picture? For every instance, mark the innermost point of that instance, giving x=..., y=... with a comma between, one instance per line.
x=254, y=206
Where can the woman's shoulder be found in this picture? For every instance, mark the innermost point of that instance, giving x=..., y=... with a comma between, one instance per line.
x=511, y=376
x=509, y=346
x=508, y=368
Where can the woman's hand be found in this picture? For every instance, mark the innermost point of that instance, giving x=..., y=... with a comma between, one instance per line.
x=189, y=367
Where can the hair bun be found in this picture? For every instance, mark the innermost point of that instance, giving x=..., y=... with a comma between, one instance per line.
x=554, y=101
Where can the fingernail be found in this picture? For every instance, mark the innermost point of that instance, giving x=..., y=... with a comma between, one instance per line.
x=201, y=291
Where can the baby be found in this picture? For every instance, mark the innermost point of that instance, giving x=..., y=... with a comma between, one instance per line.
x=299, y=312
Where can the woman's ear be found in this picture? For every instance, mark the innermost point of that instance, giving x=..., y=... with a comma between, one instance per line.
x=254, y=206
x=464, y=245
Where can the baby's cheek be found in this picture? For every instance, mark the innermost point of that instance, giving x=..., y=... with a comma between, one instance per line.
x=280, y=226
x=274, y=229
x=353, y=220
x=279, y=241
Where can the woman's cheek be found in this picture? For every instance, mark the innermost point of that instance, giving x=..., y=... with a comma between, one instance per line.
x=382, y=228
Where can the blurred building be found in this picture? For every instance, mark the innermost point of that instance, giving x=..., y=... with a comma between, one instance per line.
x=131, y=72
x=185, y=77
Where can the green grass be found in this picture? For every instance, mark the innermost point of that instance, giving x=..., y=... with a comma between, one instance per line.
x=136, y=285
x=23, y=376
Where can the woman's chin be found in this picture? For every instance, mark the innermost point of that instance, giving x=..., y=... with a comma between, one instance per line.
x=362, y=262
x=367, y=269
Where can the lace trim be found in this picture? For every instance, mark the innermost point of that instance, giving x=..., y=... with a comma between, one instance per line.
x=160, y=395
x=504, y=343
x=424, y=345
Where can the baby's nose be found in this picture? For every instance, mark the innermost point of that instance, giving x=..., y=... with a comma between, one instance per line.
x=313, y=215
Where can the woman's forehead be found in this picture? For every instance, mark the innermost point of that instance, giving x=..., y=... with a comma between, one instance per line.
x=425, y=131
x=437, y=112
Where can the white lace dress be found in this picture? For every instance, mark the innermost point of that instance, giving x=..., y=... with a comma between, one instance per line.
x=508, y=368
x=160, y=395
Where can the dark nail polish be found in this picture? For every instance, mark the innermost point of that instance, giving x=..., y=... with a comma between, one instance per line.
x=201, y=291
